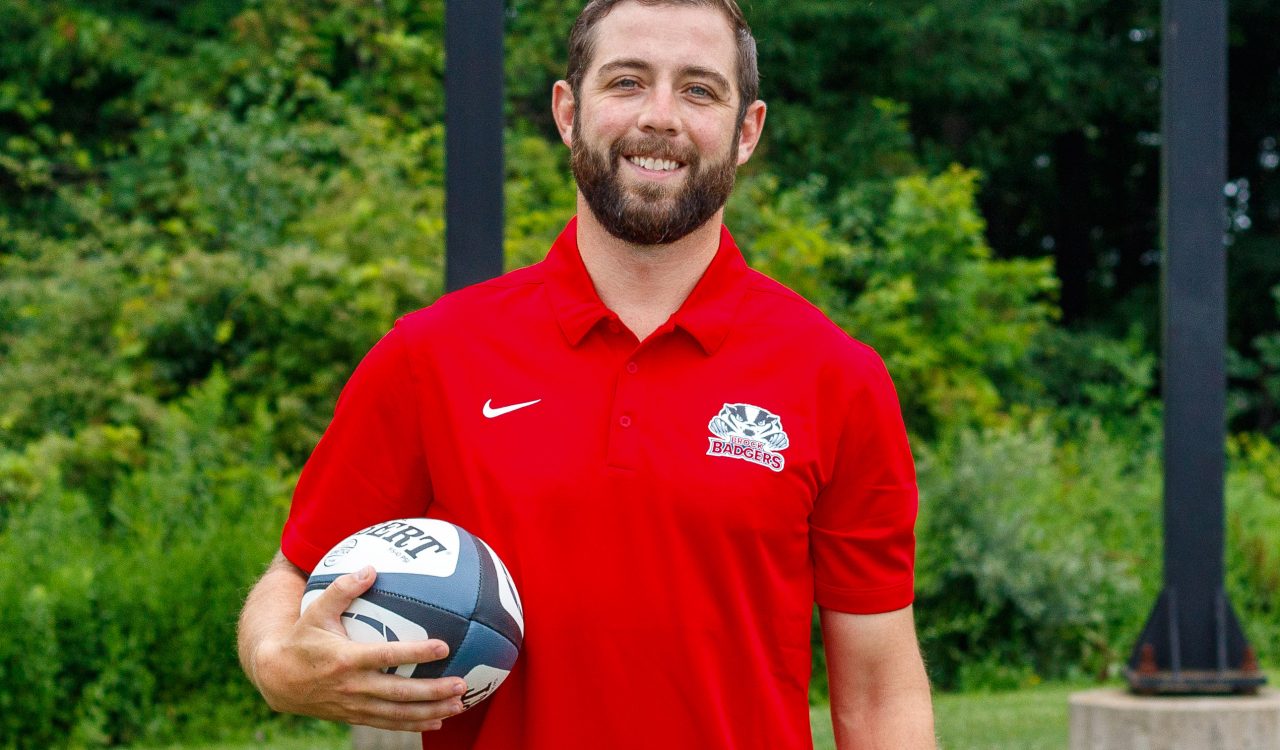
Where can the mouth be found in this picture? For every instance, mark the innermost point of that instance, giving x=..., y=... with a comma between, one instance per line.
x=655, y=165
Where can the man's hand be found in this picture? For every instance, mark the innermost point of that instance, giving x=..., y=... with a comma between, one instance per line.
x=307, y=665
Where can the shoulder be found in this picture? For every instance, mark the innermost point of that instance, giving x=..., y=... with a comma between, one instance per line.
x=474, y=306
x=770, y=306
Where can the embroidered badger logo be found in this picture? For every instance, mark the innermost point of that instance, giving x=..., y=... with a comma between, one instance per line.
x=749, y=433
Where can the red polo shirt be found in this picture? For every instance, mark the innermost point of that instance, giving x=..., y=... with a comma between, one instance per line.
x=670, y=509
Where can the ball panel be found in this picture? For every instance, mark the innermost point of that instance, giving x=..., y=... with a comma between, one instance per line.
x=508, y=596
x=316, y=584
x=433, y=622
x=484, y=660
x=456, y=594
x=423, y=546
x=498, y=606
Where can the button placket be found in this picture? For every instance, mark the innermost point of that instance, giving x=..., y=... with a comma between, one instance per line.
x=624, y=439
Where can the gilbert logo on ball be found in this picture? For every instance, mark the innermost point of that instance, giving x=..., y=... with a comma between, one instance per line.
x=435, y=580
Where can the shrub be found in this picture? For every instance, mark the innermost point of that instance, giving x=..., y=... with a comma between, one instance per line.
x=128, y=618
x=1253, y=541
x=955, y=325
x=1034, y=557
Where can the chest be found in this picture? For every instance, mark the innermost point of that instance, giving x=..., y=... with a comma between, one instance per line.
x=614, y=433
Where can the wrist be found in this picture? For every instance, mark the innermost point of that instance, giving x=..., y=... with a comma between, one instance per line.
x=257, y=665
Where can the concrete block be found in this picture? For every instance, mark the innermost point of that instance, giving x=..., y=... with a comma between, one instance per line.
x=1114, y=719
x=368, y=738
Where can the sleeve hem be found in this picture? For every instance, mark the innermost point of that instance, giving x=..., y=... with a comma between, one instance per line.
x=298, y=550
x=866, y=601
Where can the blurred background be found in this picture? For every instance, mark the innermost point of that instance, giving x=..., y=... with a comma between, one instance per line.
x=210, y=210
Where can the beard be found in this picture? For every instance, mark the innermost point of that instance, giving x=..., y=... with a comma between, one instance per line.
x=651, y=214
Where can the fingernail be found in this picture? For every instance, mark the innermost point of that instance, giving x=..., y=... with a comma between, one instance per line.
x=460, y=688
x=364, y=573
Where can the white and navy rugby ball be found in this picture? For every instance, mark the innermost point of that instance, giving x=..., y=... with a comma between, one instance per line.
x=434, y=580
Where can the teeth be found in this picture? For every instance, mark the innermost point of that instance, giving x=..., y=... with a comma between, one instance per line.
x=657, y=165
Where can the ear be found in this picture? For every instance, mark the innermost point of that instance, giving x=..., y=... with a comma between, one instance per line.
x=563, y=107
x=752, y=128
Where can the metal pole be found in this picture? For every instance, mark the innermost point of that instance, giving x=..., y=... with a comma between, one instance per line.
x=1192, y=642
x=473, y=141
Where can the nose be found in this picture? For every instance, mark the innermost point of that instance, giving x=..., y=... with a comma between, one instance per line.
x=659, y=115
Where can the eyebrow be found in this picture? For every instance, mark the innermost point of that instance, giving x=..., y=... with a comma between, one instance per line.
x=688, y=71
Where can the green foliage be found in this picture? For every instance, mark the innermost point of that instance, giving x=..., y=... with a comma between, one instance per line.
x=1253, y=540
x=917, y=281
x=954, y=324
x=209, y=211
x=1085, y=378
x=1035, y=559
x=1255, y=370
x=540, y=198
x=1040, y=558
x=128, y=611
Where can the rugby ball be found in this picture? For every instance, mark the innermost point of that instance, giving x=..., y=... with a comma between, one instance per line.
x=434, y=580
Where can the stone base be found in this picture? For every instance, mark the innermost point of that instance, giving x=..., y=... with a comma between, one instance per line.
x=1114, y=719
x=368, y=738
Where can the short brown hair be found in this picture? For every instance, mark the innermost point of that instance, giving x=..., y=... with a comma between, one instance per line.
x=582, y=43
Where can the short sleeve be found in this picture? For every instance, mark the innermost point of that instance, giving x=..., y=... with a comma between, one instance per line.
x=862, y=531
x=369, y=466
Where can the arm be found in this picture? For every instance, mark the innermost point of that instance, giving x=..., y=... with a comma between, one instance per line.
x=307, y=665
x=879, y=690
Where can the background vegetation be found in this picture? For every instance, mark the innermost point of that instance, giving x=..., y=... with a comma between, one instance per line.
x=210, y=210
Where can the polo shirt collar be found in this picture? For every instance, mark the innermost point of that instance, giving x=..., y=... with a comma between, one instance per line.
x=706, y=315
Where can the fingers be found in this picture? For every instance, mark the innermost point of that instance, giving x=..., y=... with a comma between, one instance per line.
x=382, y=656
x=403, y=704
x=406, y=717
x=395, y=689
x=334, y=600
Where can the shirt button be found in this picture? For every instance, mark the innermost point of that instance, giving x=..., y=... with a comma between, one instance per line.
x=633, y=368
x=625, y=421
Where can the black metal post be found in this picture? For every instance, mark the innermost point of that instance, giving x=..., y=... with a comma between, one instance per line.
x=473, y=141
x=1192, y=642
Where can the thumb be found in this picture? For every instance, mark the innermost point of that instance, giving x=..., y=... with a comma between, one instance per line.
x=327, y=608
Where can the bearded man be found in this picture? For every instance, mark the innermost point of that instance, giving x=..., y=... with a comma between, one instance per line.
x=675, y=456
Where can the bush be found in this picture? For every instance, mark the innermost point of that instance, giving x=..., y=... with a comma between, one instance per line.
x=955, y=325
x=1253, y=541
x=1035, y=558
x=128, y=612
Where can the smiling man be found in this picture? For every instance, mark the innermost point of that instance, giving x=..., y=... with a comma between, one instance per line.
x=676, y=456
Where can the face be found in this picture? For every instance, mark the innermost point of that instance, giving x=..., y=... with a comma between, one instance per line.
x=654, y=132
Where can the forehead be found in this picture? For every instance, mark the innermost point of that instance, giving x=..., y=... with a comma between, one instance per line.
x=666, y=37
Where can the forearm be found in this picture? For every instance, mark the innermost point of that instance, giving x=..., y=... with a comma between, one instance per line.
x=892, y=718
x=270, y=610
x=880, y=695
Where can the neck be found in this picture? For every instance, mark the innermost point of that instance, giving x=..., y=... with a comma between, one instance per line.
x=644, y=284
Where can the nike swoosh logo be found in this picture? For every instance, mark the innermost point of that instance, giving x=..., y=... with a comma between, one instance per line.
x=491, y=412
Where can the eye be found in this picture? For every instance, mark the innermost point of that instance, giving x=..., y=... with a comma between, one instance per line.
x=626, y=84
x=701, y=92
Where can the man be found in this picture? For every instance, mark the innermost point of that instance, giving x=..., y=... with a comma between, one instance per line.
x=675, y=456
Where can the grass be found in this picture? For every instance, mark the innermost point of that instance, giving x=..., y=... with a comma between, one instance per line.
x=1034, y=719
x=1030, y=719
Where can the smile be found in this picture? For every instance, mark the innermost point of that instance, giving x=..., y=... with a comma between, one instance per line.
x=655, y=165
